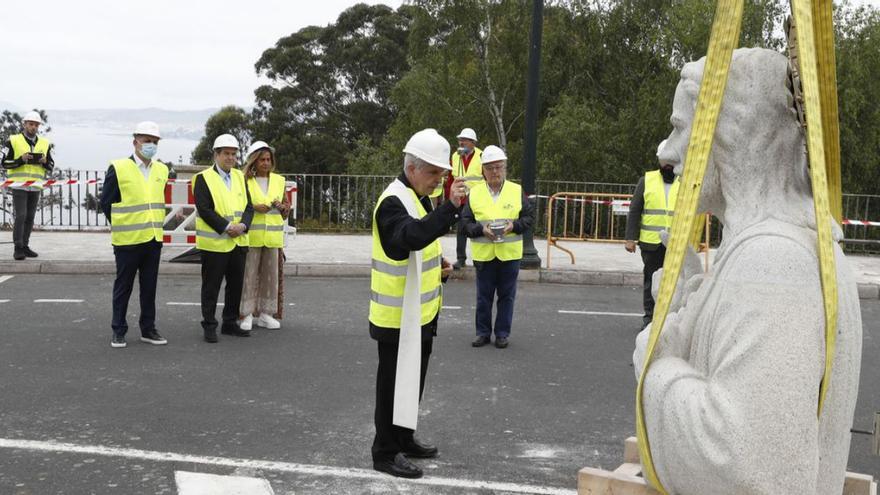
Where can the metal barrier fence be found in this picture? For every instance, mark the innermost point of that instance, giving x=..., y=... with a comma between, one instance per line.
x=344, y=203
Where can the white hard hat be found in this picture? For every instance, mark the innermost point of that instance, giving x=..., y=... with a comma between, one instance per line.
x=431, y=147
x=225, y=141
x=32, y=117
x=492, y=153
x=257, y=146
x=467, y=133
x=660, y=148
x=147, y=128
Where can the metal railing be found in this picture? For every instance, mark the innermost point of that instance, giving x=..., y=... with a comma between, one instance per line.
x=344, y=203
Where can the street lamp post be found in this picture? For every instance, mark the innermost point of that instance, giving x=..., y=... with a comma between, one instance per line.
x=530, y=254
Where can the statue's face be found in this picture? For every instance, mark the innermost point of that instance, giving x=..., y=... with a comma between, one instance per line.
x=675, y=151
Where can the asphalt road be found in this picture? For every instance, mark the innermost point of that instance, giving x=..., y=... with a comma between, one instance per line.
x=294, y=406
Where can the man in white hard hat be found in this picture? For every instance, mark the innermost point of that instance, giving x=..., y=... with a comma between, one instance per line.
x=466, y=164
x=26, y=157
x=495, y=218
x=133, y=199
x=406, y=277
x=650, y=214
x=224, y=211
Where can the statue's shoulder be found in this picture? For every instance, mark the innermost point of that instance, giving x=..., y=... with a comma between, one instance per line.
x=778, y=257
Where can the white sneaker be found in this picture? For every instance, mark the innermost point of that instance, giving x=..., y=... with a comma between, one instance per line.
x=267, y=321
x=246, y=323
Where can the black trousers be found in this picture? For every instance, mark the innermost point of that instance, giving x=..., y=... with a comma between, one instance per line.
x=391, y=439
x=24, y=207
x=215, y=268
x=460, y=242
x=653, y=261
x=141, y=260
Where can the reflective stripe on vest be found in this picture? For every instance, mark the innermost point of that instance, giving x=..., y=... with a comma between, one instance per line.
x=139, y=215
x=27, y=172
x=388, y=279
x=474, y=168
x=486, y=210
x=267, y=229
x=657, y=215
x=228, y=203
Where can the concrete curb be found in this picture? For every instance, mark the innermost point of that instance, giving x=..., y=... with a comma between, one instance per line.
x=345, y=270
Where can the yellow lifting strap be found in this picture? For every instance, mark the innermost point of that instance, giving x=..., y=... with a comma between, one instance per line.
x=724, y=37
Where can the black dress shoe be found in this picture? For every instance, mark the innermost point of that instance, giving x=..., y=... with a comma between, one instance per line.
x=18, y=254
x=235, y=331
x=30, y=253
x=501, y=342
x=481, y=341
x=211, y=336
x=420, y=450
x=400, y=466
x=458, y=265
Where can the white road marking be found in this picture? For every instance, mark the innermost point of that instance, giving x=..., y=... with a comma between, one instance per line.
x=4, y=278
x=58, y=300
x=286, y=467
x=189, y=303
x=451, y=307
x=214, y=484
x=597, y=313
x=4, y=301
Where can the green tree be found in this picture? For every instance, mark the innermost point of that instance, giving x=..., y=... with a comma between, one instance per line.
x=858, y=73
x=329, y=87
x=228, y=120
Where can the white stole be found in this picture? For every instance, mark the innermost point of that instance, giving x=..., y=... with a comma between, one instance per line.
x=409, y=350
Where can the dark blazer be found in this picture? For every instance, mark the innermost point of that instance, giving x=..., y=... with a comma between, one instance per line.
x=400, y=233
x=205, y=207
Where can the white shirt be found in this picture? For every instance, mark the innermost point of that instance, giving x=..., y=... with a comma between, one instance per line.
x=495, y=195
x=143, y=166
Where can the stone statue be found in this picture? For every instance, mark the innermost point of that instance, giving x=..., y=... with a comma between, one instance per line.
x=731, y=398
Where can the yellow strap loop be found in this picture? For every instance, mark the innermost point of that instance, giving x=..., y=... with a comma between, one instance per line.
x=809, y=72
x=724, y=38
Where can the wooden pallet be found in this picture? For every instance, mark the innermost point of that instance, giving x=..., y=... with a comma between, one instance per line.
x=627, y=480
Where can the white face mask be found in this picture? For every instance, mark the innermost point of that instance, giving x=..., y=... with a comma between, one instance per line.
x=148, y=150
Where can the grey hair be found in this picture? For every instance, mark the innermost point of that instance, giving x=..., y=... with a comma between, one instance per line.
x=410, y=158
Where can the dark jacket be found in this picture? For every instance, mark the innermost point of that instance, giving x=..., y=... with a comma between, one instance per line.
x=473, y=228
x=205, y=207
x=400, y=234
x=6, y=154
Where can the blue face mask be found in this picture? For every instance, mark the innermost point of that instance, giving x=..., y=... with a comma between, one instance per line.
x=148, y=150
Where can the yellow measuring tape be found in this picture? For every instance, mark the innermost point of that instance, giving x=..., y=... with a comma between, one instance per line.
x=724, y=37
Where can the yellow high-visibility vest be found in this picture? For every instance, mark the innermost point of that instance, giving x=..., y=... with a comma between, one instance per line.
x=474, y=168
x=657, y=213
x=228, y=203
x=486, y=210
x=388, y=278
x=27, y=172
x=267, y=229
x=140, y=214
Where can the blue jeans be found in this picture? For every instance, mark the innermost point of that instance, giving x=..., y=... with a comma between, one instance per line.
x=493, y=277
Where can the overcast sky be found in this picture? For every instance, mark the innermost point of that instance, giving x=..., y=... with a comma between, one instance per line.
x=172, y=54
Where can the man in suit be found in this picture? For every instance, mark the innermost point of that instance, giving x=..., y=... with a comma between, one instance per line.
x=405, y=282
x=133, y=199
x=224, y=214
